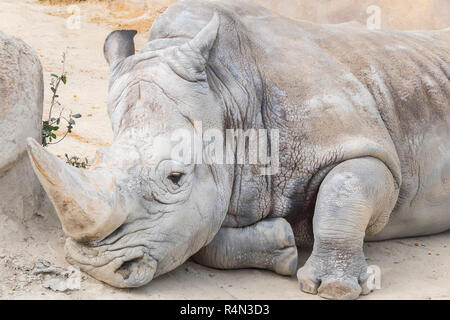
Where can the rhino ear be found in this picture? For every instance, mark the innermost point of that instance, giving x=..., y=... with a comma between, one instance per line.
x=118, y=45
x=190, y=59
x=202, y=43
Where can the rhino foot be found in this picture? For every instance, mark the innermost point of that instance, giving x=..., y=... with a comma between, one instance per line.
x=330, y=284
x=286, y=262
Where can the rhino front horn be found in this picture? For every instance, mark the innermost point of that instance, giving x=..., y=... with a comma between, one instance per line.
x=84, y=199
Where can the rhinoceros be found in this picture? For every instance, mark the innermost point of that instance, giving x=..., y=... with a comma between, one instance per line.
x=363, y=144
x=21, y=99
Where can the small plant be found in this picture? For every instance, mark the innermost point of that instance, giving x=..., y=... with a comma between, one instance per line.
x=53, y=123
x=77, y=162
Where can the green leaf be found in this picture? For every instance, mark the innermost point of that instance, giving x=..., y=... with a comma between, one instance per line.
x=54, y=75
x=77, y=115
x=64, y=79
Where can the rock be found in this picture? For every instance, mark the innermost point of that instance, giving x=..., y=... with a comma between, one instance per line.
x=21, y=96
x=43, y=266
x=69, y=280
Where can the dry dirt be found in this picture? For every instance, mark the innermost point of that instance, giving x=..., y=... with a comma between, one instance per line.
x=416, y=268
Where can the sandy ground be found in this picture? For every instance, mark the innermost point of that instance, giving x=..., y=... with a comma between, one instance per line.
x=416, y=268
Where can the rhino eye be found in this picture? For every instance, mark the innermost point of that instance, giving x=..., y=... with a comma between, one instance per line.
x=175, y=177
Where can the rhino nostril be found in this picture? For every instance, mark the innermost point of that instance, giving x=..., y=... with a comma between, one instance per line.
x=126, y=268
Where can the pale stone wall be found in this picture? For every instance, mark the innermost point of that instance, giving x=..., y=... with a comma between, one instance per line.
x=21, y=98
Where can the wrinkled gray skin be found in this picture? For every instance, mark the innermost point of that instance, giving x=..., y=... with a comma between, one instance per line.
x=364, y=122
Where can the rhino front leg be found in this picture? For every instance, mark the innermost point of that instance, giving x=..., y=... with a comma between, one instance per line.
x=355, y=199
x=267, y=244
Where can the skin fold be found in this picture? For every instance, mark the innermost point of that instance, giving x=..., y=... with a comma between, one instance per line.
x=364, y=148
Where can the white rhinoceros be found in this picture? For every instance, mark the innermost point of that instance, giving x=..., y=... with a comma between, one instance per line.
x=363, y=122
x=21, y=97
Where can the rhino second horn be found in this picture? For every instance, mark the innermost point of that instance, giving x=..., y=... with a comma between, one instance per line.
x=84, y=199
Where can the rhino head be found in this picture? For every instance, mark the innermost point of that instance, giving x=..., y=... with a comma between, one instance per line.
x=138, y=212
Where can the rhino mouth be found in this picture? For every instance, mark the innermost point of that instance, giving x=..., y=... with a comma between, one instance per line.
x=127, y=267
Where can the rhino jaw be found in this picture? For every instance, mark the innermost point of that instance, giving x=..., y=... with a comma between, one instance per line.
x=84, y=199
